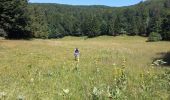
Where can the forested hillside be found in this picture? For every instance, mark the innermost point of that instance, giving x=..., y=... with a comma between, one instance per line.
x=56, y=20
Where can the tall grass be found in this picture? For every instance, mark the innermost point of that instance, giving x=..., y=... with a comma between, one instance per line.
x=109, y=68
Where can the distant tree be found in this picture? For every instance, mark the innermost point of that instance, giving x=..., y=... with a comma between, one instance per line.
x=77, y=29
x=86, y=25
x=95, y=27
x=117, y=25
x=154, y=25
x=154, y=36
x=132, y=27
x=104, y=28
x=166, y=28
x=111, y=27
x=91, y=26
x=142, y=18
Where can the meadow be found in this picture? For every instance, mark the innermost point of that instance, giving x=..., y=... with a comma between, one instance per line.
x=110, y=68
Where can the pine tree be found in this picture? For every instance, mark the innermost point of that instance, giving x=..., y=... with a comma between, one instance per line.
x=166, y=28
x=117, y=25
x=104, y=28
x=94, y=27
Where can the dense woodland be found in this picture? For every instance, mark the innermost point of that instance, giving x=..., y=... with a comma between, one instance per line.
x=19, y=19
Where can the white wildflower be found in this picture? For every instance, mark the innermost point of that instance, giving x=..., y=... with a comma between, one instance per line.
x=95, y=91
x=50, y=73
x=32, y=80
x=108, y=92
x=98, y=70
x=3, y=94
x=152, y=64
x=66, y=91
x=148, y=72
x=114, y=64
x=20, y=97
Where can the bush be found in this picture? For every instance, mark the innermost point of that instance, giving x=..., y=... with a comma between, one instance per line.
x=2, y=33
x=154, y=36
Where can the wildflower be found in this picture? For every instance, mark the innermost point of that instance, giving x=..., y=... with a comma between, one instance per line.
x=114, y=64
x=124, y=59
x=91, y=78
x=98, y=70
x=152, y=64
x=50, y=73
x=66, y=91
x=2, y=94
x=95, y=91
x=20, y=97
x=117, y=91
x=60, y=94
x=32, y=80
x=108, y=92
x=148, y=72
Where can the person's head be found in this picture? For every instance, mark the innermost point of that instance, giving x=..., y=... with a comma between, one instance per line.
x=76, y=49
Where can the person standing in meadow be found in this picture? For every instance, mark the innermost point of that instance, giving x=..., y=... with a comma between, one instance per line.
x=76, y=54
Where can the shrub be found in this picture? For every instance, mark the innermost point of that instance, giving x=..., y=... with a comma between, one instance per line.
x=154, y=36
x=2, y=33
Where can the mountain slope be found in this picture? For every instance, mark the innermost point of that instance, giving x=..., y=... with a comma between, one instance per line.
x=56, y=20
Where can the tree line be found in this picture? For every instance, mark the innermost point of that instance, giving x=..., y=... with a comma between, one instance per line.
x=18, y=19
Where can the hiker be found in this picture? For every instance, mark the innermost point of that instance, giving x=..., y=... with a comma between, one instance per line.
x=76, y=54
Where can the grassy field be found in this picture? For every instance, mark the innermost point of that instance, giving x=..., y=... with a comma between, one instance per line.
x=118, y=68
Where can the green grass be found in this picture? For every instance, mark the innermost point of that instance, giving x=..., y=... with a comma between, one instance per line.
x=109, y=68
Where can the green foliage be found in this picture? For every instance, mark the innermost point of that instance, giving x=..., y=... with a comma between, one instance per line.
x=92, y=21
x=167, y=4
x=13, y=18
x=53, y=20
x=154, y=36
x=94, y=27
x=166, y=28
x=104, y=28
x=2, y=33
x=50, y=36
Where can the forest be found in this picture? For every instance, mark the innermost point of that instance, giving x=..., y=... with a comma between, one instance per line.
x=20, y=19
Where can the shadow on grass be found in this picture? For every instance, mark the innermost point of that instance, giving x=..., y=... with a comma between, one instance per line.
x=165, y=56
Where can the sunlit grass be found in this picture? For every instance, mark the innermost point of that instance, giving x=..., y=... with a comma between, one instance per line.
x=109, y=68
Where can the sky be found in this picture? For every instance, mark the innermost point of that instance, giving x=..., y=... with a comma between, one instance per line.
x=113, y=3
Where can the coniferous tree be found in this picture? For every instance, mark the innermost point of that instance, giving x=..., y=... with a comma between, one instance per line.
x=117, y=25
x=104, y=28
x=140, y=19
x=166, y=28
